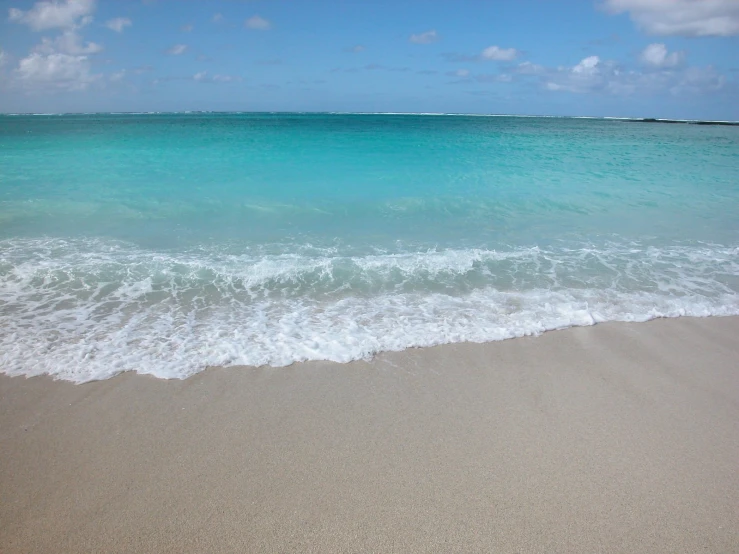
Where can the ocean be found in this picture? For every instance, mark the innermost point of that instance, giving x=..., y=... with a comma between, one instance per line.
x=167, y=243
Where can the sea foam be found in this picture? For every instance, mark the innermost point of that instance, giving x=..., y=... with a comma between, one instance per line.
x=83, y=310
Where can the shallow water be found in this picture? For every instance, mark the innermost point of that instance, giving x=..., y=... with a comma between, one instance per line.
x=164, y=243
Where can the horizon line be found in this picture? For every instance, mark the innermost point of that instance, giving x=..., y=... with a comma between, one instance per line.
x=458, y=114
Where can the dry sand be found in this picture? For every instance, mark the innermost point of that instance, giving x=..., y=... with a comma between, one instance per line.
x=614, y=438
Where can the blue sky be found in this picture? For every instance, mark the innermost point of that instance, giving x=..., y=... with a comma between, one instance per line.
x=650, y=58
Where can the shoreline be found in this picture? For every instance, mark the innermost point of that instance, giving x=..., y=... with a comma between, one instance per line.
x=618, y=437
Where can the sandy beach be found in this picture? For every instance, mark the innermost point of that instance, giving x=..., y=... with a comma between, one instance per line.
x=612, y=438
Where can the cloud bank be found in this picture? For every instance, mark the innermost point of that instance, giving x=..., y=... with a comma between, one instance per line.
x=497, y=53
x=690, y=18
x=656, y=55
x=53, y=14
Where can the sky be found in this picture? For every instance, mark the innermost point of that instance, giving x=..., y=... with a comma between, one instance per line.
x=622, y=58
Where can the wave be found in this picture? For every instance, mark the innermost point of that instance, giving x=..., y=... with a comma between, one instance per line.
x=83, y=310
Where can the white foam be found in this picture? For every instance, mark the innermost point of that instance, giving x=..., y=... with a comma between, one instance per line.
x=86, y=310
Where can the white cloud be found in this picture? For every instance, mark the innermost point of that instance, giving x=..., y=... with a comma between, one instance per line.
x=203, y=77
x=177, y=49
x=593, y=75
x=118, y=24
x=54, y=72
x=499, y=54
x=425, y=38
x=528, y=68
x=258, y=23
x=356, y=48
x=656, y=55
x=3, y=57
x=69, y=42
x=588, y=65
x=51, y=14
x=61, y=63
x=589, y=75
x=218, y=18
x=692, y=18
x=187, y=28
x=459, y=73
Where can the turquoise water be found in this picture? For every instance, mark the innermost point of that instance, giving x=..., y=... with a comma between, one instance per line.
x=165, y=243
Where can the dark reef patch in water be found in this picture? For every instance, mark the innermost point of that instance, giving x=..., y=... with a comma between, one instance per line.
x=653, y=120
